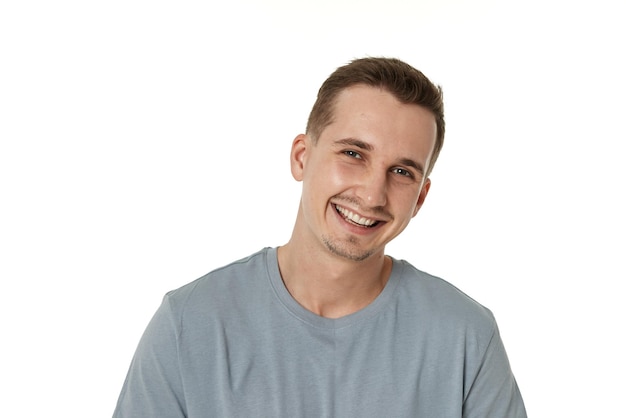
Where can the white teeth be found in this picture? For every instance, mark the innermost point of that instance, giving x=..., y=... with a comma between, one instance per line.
x=354, y=217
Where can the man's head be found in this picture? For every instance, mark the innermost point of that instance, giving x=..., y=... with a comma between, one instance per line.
x=405, y=83
x=365, y=159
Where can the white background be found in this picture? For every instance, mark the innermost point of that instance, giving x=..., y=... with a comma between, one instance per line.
x=144, y=143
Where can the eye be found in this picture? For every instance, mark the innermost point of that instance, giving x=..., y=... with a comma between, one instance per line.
x=402, y=172
x=353, y=154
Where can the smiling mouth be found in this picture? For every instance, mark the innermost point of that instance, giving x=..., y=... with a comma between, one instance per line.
x=355, y=219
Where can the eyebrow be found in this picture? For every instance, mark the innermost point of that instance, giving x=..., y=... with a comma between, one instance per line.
x=410, y=163
x=368, y=147
x=355, y=143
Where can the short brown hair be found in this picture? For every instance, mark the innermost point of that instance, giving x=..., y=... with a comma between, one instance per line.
x=406, y=83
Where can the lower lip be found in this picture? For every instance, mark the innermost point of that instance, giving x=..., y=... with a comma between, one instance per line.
x=355, y=229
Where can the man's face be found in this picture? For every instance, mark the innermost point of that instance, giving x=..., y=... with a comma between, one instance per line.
x=364, y=179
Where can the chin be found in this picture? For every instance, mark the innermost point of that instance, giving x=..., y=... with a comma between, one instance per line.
x=348, y=250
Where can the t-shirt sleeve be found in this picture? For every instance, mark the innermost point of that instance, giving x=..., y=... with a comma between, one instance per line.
x=153, y=385
x=494, y=392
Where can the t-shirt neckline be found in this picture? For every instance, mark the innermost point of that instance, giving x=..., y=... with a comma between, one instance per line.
x=303, y=314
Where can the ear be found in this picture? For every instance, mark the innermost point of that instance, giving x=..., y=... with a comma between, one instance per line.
x=422, y=197
x=298, y=156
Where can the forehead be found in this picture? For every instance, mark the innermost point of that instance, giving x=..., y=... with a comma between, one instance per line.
x=375, y=116
x=363, y=100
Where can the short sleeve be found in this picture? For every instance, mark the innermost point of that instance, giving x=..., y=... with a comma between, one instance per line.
x=494, y=392
x=153, y=386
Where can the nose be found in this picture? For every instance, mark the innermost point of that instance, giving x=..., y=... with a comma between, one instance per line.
x=373, y=191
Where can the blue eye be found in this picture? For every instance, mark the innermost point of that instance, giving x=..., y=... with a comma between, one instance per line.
x=352, y=154
x=402, y=172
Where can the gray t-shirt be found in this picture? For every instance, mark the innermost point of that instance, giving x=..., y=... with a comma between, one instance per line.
x=234, y=343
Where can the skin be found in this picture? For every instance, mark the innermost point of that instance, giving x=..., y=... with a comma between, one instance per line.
x=371, y=162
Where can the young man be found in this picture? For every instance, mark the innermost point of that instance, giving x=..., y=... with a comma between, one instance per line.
x=328, y=325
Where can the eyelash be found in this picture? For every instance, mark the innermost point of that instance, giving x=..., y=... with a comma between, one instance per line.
x=403, y=172
x=353, y=154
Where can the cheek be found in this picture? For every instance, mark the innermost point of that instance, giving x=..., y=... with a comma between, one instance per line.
x=406, y=202
x=339, y=175
x=316, y=187
x=329, y=179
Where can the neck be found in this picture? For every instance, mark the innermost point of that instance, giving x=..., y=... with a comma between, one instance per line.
x=329, y=285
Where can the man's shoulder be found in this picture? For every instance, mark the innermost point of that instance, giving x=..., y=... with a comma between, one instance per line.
x=439, y=297
x=235, y=279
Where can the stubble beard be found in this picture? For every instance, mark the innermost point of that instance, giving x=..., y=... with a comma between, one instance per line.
x=346, y=249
